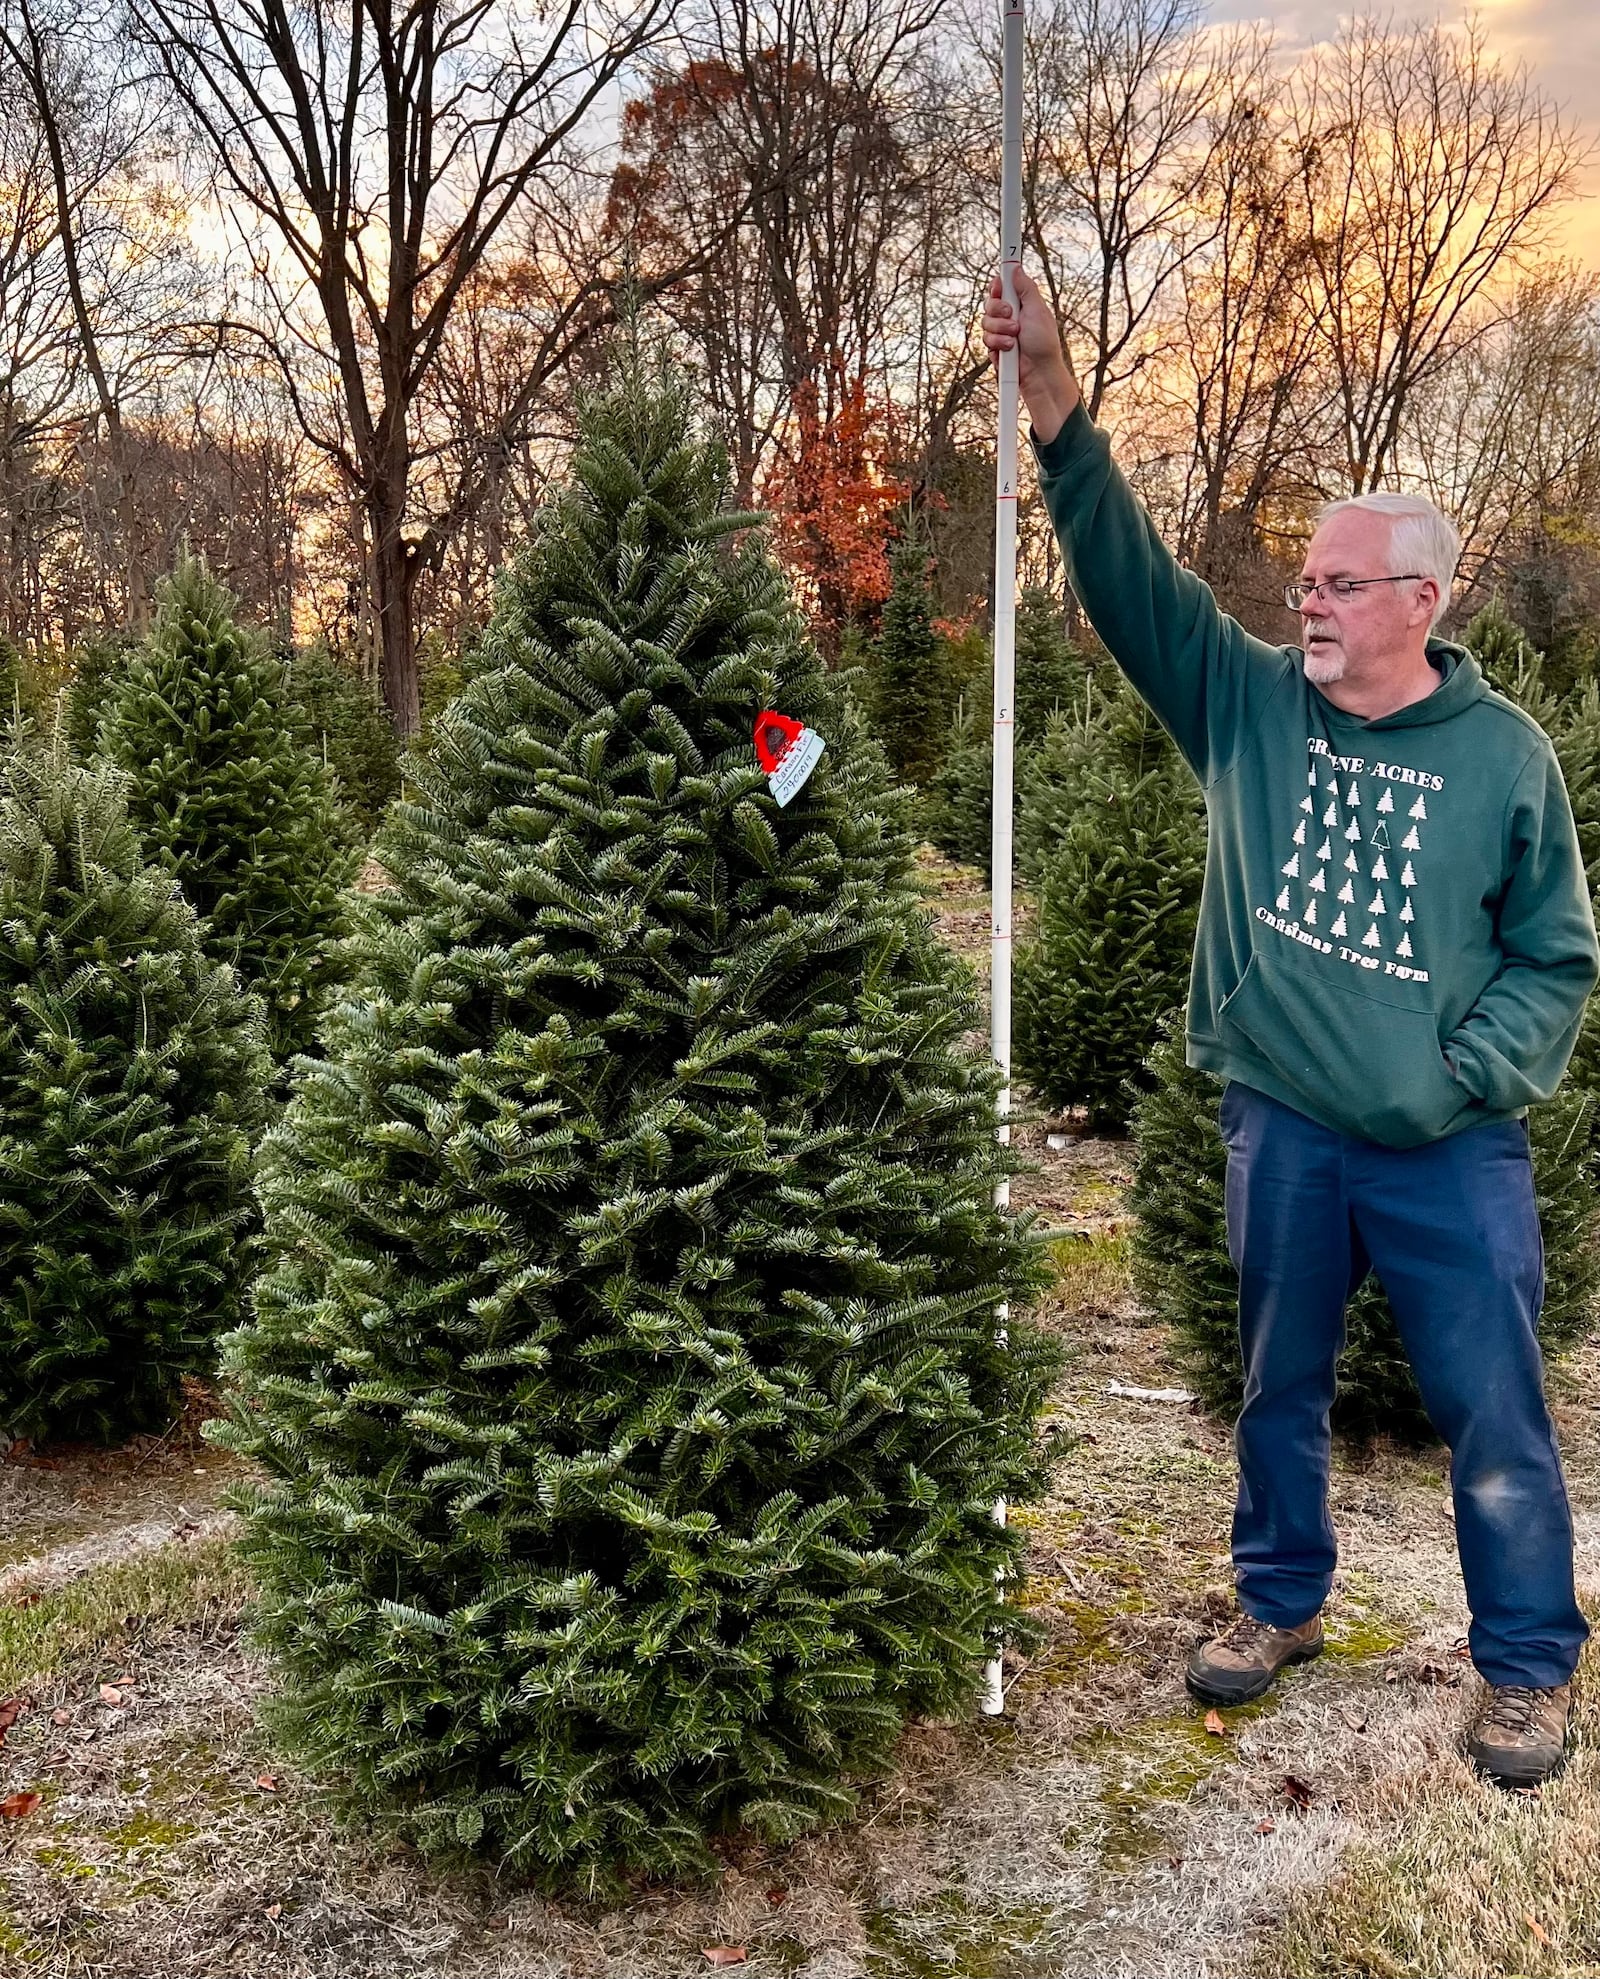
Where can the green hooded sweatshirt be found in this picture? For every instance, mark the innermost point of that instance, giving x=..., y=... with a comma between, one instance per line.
x=1395, y=932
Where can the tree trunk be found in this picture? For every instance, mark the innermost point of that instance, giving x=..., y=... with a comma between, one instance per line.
x=395, y=565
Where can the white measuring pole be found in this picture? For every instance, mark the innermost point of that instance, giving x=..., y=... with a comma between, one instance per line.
x=1005, y=652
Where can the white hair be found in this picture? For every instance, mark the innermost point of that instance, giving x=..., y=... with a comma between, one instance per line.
x=1423, y=538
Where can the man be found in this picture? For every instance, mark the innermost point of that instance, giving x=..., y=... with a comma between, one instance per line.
x=1394, y=951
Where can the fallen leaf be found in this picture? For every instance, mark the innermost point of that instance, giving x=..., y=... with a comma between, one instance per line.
x=1266, y=1825
x=267, y=1782
x=723, y=1954
x=1355, y=1720
x=777, y=1896
x=1538, y=1931
x=18, y=1806
x=1215, y=1725
x=274, y=1910
x=10, y=1712
x=109, y=1694
x=61, y=1717
x=1297, y=1792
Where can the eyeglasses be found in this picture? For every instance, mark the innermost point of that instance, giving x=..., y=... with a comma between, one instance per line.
x=1295, y=595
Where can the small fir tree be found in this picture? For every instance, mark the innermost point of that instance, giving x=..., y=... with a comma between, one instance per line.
x=97, y=666
x=349, y=729
x=1183, y=1274
x=1110, y=957
x=1516, y=668
x=958, y=803
x=1504, y=651
x=908, y=695
x=228, y=793
x=1052, y=678
x=1108, y=732
x=624, y=1383
x=132, y=1071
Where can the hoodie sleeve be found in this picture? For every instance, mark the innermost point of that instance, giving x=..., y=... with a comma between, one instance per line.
x=1206, y=678
x=1512, y=1046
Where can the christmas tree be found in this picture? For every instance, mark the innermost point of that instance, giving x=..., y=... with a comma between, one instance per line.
x=1506, y=654
x=908, y=689
x=1118, y=900
x=1516, y=668
x=97, y=665
x=228, y=793
x=348, y=728
x=131, y=1083
x=624, y=1380
x=1106, y=733
x=1051, y=679
x=1184, y=1276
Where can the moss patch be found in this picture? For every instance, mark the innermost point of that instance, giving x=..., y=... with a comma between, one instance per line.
x=147, y=1830
x=13, y=1945
x=62, y=1862
x=1155, y=1768
x=955, y=1938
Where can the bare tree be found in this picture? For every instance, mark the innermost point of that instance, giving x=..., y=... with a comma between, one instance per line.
x=108, y=280
x=1430, y=173
x=1119, y=121
x=1506, y=437
x=1240, y=386
x=371, y=156
x=801, y=116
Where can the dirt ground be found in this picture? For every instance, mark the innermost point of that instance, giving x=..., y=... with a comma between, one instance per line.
x=1100, y=1827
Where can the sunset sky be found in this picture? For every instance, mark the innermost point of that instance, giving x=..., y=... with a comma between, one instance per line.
x=1558, y=39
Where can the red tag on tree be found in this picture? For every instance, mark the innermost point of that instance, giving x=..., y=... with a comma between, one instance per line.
x=787, y=750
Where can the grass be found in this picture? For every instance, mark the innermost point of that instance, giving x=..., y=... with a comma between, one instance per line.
x=56, y=1631
x=1461, y=1878
x=1092, y=1272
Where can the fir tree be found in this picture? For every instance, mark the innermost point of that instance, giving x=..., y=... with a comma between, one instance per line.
x=908, y=694
x=131, y=1082
x=1108, y=732
x=624, y=1379
x=958, y=804
x=348, y=727
x=1504, y=651
x=1052, y=678
x=97, y=665
x=227, y=792
x=1516, y=669
x=1183, y=1274
x=1110, y=956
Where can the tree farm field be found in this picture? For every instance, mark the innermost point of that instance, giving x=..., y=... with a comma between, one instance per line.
x=1104, y=1826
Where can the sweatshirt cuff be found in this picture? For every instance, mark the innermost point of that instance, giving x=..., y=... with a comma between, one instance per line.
x=1465, y=1067
x=1075, y=438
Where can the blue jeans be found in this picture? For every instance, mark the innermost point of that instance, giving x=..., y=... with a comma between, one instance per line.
x=1453, y=1234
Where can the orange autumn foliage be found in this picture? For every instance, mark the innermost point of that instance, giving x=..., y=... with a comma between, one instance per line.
x=833, y=503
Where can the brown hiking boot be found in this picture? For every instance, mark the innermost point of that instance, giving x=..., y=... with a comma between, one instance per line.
x=1519, y=1736
x=1233, y=1668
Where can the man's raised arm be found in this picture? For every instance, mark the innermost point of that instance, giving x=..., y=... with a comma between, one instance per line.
x=1203, y=674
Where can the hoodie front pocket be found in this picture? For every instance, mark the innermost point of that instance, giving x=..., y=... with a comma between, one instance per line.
x=1367, y=1065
